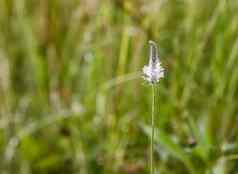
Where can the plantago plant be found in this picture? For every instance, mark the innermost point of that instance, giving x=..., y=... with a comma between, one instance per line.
x=152, y=73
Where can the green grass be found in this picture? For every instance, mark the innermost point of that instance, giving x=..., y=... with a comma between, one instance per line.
x=72, y=99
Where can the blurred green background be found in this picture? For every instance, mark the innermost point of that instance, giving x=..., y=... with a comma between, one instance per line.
x=72, y=100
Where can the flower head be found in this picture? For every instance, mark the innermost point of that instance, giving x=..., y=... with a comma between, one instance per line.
x=153, y=72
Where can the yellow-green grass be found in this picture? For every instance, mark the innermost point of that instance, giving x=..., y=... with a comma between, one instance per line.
x=72, y=99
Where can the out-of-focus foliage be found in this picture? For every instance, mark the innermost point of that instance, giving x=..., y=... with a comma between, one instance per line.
x=72, y=99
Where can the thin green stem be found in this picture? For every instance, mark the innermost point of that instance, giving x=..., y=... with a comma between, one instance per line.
x=152, y=131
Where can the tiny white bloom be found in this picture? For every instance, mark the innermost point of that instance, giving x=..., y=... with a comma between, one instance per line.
x=153, y=72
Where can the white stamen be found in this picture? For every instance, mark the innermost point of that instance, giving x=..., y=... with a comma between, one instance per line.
x=153, y=72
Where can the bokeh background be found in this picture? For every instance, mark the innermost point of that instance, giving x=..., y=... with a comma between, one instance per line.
x=72, y=100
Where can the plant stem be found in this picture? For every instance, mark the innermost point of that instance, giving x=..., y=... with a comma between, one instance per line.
x=152, y=131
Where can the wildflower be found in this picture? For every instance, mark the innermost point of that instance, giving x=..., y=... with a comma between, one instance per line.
x=153, y=72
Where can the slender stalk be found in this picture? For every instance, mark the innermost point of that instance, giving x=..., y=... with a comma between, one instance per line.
x=152, y=131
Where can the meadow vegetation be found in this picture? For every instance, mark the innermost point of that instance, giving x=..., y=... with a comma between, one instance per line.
x=72, y=99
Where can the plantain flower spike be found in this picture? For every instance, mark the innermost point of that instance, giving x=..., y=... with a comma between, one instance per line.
x=153, y=72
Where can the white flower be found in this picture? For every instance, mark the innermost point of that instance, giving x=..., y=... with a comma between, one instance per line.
x=153, y=72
